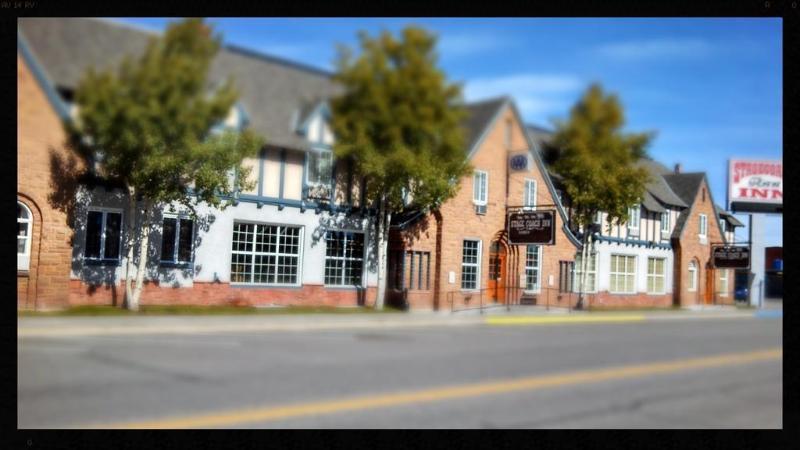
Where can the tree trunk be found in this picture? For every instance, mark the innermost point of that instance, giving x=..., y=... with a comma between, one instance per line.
x=142, y=266
x=130, y=238
x=383, y=236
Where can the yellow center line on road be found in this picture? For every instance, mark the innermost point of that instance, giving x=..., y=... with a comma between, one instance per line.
x=279, y=412
x=540, y=320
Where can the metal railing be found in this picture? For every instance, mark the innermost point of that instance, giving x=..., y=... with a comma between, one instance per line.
x=482, y=299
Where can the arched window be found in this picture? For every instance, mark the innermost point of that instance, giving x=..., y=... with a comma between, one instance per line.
x=692, y=276
x=24, y=232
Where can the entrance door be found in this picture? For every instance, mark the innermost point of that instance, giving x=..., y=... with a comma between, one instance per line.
x=708, y=298
x=497, y=272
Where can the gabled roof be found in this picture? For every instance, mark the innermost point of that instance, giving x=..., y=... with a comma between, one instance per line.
x=657, y=186
x=272, y=90
x=480, y=116
x=686, y=186
x=728, y=216
x=651, y=204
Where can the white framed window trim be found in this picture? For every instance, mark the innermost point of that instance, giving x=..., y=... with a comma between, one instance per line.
x=665, y=222
x=472, y=262
x=480, y=187
x=277, y=254
x=533, y=269
x=692, y=287
x=656, y=276
x=634, y=219
x=723, y=283
x=180, y=222
x=703, y=232
x=105, y=211
x=24, y=236
x=346, y=260
x=591, y=274
x=622, y=274
x=529, y=196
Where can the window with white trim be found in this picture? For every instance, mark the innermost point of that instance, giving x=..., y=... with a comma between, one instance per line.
x=470, y=264
x=723, y=224
x=656, y=275
x=665, y=222
x=103, y=235
x=344, y=258
x=320, y=167
x=529, y=199
x=533, y=266
x=24, y=233
x=177, y=239
x=591, y=273
x=265, y=254
x=634, y=216
x=480, y=187
x=692, y=276
x=722, y=283
x=703, y=232
x=623, y=274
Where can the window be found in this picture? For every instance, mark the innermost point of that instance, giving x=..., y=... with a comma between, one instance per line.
x=722, y=283
x=103, y=235
x=566, y=270
x=656, y=275
x=722, y=224
x=344, y=258
x=533, y=265
x=692, y=276
x=480, y=187
x=177, y=237
x=634, y=215
x=591, y=273
x=665, y=222
x=598, y=219
x=470, y=264
x=24, y=228
x=530, y=194
x=265, y=254
x=623, y=274
x=703, y=233
x=320, y=166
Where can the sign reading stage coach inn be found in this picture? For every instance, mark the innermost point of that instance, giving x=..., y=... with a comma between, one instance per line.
x=532, y=227
x=755, y=186
x=730, y=256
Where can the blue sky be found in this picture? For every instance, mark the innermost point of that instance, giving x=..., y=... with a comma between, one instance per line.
x=712, y=89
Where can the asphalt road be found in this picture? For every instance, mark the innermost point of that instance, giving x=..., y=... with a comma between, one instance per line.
x=478, y=376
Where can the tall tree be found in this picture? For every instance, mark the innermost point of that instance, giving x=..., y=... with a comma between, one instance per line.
x=399, y=121
x=597, y=161
x=151, y=126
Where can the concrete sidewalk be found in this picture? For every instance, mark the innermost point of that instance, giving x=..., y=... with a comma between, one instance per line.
x=84, y=326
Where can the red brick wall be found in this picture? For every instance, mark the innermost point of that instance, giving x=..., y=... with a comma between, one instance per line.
x=689, y=247
x=459, y=220
x=39, y=131
x=606, y=300
x=81, y=293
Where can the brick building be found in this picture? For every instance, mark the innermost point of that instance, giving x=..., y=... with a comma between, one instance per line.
x=459, y=256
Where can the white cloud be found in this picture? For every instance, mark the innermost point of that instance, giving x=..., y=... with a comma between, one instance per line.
x=538, y=96
x=456, y=45
x=655, y=49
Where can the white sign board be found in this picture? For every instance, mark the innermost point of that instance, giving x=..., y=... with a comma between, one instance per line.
x=755, y=185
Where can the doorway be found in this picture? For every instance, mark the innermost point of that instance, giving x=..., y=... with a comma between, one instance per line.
x=497, y=271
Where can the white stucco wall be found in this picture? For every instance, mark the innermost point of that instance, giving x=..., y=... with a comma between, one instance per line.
x=606, y=249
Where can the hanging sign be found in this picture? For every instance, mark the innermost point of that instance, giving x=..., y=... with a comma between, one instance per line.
x=532, y=227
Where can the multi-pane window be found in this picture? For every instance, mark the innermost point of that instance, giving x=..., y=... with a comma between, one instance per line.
x=722, y=283
x=265, y=254
x=410, y=269
x=320, y=166
x=665, y=222
x=656, y=275
x=344, y=258
x=692, y=276
x=470, y=264
x=530, y=194
x=623, y=274
x=103, y=235
x=703, y=232
x=591, y=273
x=480, y=187
x=176, y=240
x=533, y=265
x=24, y=227
x=634, y=214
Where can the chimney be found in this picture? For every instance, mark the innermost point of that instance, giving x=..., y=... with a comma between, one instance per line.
x=678, y=168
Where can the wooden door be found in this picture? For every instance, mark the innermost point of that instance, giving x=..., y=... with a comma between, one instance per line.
x=497, y=272
x=708, y=297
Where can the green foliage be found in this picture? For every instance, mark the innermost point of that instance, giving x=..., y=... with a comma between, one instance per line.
x=597, y=160
x=399, y=120
x=149, y=124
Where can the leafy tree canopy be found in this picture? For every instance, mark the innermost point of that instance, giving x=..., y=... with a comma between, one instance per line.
x=597, y=160
x=399, y=119
x=149, y=124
